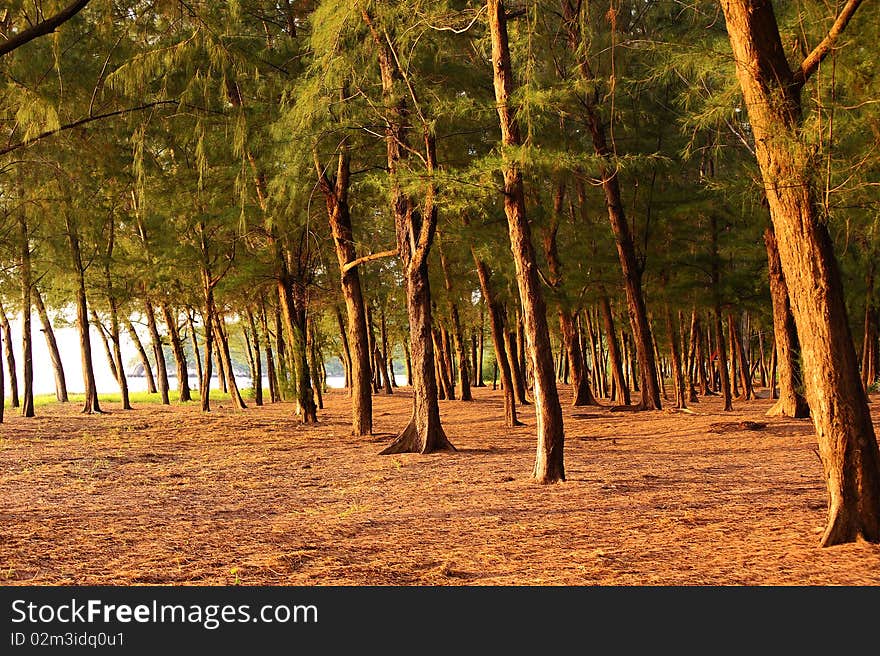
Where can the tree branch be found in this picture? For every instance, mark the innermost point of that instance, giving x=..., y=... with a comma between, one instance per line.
x=812, y=60
x=368, y=258
x=45, y=27
x=84, y=121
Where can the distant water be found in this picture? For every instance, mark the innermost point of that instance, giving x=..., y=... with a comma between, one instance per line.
x=68, y=347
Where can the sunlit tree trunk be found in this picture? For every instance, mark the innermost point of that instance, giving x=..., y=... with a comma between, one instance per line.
x=834, y=391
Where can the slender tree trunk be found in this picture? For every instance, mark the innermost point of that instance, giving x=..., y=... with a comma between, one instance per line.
x=191, y=327
x=677, y=369
x=10, y=360
x=142, y=355
x=356, y=342
x=791, y=402
x=383, y=352
x=414, y=229
x=346, y=351
x=183, y=393
x=258, y=359
x=91, y=404
x=274, y=393
x=2, y=385
x=519, y=383
x=738, y=353
x=549, y=463
x=291, y=296
x=621, y=389
x=222, y=339
x=496, y=325
x=27, y=355
x=312, y=350
x=108, y=352
x=158, y=351
x=457, y=334
x=870, y=356
x=52, y=346
x=630, y=267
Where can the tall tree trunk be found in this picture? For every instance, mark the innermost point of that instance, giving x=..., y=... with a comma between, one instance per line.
x=191, y=328
x=291, y=297
x=105, y=342
x=496, y=325
x=870, y=355
x=519, y=383
x=834, y=391
x=414, y=229
x=317, y=380
x=791, y=402
x=621, y=389
x=346, y=353
x=356, y=343
x=383, y=352
x=183, y=393
x=549, y=462
x=52, y=346
x=2, y=385
x=158, y=351
x=274, y=392
x=10, y=359
x=27, y=354
x=258, y=359
x=142, y=354
x=677, y=369
x=630, y=266
x=222, y=339
x=738, y=351
x=90, y=404
x=464, y=376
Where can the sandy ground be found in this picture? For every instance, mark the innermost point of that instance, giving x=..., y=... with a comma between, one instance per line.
x=166, y=495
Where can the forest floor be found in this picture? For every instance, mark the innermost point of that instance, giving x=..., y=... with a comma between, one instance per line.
x=167, y=495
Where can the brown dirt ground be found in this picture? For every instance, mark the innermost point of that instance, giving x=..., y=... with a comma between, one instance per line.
x=166, y=495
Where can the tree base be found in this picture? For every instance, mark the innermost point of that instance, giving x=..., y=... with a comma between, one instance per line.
x=408, y=441
x=796, y=408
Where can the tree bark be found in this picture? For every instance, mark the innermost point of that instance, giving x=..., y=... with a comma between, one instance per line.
x=258, y=359
x=621, y=389
x=183, y=393
x=193, y=338
x=464, y=376
x=791, y=403
x=27, y=355
x=142, y=354
x=52, y=346
x=158, y=351
x=415, y=228
x=274, y=393
x=90, y=404
x=837, y=400
x=549, y=462
x=630, y=267
x=10, y=360
x=677, y=369
x=356, y=343
x=496, y=324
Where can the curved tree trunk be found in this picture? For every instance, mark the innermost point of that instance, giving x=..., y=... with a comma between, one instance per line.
x=549, y=462
x=194, y=341
x=222, y=339
x=142, y=354
x=791, y=402
x=834, y=391
x=52, y=346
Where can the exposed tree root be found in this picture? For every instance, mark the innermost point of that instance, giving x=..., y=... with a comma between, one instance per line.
x=409, y=441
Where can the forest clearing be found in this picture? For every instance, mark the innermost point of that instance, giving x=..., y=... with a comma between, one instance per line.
x=175, y=497
x=439, y=292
